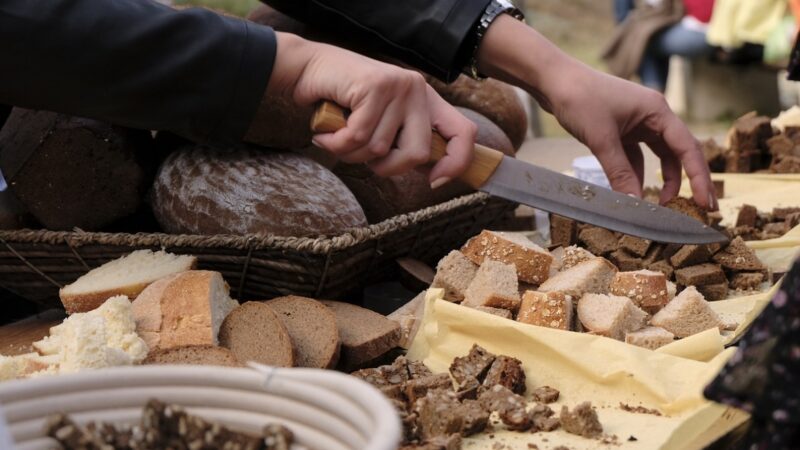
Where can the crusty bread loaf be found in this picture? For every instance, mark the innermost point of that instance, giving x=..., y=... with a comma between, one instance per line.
x=312, y=328
x=590, y=276
x=687, y=314
x=494, y=285
x=205, y=355
x=650, y=337
x=364, y=334
x=531, y=261
x=546, y=309
x=646, y=288
x=183, y=309
x=454, y=273
x=610, y=315
x=128, y=276
x=254, y=332
x=204, y=191
x=72, y=172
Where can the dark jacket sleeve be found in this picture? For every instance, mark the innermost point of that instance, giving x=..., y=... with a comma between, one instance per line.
x=135, y=63
x=432, y=35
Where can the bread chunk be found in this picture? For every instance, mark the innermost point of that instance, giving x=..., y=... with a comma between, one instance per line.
x=690, y=255
x=746, y=281
x=546, y=309
x=510, y=407
x=508, y=372
x=531, y=261
x=635, y=245
x=312, y=328
x=494, y=285
x=592, y=276
x=688, y=207
x=662, y=266
x=700, y=275
x=650, y=337
x=687, y=314
x=439, y=414
x=563, y=231
x=599, y=241
x=610, y=315
x=713, y=292
x=747, y=217
x=454, y=273
x=475, y=364
x=738, y=256
x=574, y=255
x=545, y=394
x=419, y=387
x=646, y=288
x=625, y=261
x=254, y=332
x=582, y=420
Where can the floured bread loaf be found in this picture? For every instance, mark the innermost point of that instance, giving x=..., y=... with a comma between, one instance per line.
x=200, y=190
x=126, y=276
x=183, y=309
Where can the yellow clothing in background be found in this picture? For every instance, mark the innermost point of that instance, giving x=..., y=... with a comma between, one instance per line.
x=735, y=22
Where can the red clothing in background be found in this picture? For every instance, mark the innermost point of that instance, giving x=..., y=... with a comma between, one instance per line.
x=699, y=9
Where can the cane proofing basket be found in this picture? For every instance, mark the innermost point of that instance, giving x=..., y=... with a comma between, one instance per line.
x=34, y=264
x=324, y=409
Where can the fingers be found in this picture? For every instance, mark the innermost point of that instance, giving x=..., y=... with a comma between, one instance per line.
x=459, y=132
x=671, y=170
x=618, y=168
x=358, y=132
x=634, y=153
x=679, y=140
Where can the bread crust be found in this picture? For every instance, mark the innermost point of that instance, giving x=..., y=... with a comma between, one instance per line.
x=321, y=355
x=533, y=266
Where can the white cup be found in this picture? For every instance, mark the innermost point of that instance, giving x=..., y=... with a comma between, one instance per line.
x=587, y=168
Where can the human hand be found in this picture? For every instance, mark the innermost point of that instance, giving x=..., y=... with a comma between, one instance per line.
x=392, y=110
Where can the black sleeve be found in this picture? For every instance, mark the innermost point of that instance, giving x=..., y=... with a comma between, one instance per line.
x=135, y=63
x=432, y=35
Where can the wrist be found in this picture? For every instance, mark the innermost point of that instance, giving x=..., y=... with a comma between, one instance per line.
x=292, y=57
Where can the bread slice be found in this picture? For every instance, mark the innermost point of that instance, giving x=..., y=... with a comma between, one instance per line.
x=364, y=334
x=546, y=309
x=453, y=274
x=531, y=261
x=495, y=285
x=126, y=276
x=312, y=328
x=203, y=355
x=646, y=288
x=183, y=309
x=650, y=337
x=687, y=314
x=738, y=256
x=591, y=276
x=254, y=332
x=610, y=315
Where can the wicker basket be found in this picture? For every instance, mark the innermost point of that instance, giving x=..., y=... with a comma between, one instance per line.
x=34, y=264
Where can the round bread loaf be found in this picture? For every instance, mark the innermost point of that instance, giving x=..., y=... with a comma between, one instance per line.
x=199, y=190
x=383, y=198
x=312, y=327
x=72, y=172
x=494, y=99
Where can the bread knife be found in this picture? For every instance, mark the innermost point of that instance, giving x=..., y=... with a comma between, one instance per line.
x=502, y=176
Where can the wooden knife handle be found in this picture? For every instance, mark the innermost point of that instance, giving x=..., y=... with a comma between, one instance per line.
x=329, y=118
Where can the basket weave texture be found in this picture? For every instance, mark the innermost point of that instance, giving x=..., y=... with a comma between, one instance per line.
x=34, y=264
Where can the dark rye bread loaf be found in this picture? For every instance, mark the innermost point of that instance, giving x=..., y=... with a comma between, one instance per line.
x=200, y=190
x=365, y=335
x=73, y=172
x=254, y=332
x=312, y=328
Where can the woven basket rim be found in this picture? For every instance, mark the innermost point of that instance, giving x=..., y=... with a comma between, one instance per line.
x=318, y=245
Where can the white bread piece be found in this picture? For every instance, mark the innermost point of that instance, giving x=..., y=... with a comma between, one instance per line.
x=648, y=289
x=531, y=261
x=574, y=255
x=610, y=315
x=650, y=337
x=454, y=273
x=546, y=309
x=592, y=276
x=183, y=309
x=672, y=290
x=687, y=314
x=126, y=276
x=495, y=285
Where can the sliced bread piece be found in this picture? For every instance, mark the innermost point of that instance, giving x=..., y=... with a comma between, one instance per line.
x=531, y=261
x=202, y=355
x=610, y=315
x=687, y=314
x=738, y=256
x=650, y=337
x=646, y=288
x=254, y=332
x=546, y=309
x=126, y=276
x=495, y=285
x=591, y=276
x=453, y=274
x=312, y=327
x=183, y=309
x=364, y=334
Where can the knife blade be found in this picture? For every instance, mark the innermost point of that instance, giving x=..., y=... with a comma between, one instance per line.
x=499, y=175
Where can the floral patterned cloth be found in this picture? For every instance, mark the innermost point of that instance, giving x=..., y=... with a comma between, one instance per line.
x=763, y=376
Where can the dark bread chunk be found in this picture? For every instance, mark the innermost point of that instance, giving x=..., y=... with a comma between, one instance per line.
x=746, y=281
x=719, y=189
x=634, y=245
x=690, y=255
x=468, y=389
x=475, y=364
x=748, y=215
x=438, y=413
x=563, y=231
x=625, y=261
x=669, y=250
x=746, y=233
x=738, y=256
x=543, y=418
x=700, y=275
x=451, y=442
x=750, y=133
x=393, y=392
x=792, y=220
x=714, y=218
x=786, y=164
x=476, y=417
x=713, y=292
x=506, y=371
x=417, y=369
x=545, y=394
x=582, y=420
x=662, y=266
x=392, y=374
x=713, y=154
x=783, y=213
x=775, y=228
x=510, y=407
x=655, y=253
x=598, y=240
x=418, y=388
x=688, y=207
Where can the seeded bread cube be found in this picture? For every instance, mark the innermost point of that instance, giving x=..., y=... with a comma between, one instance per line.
x=700, y=275
x=738, y=256
x=531, y=261
x=438, y=414
x=650, y=337
x=592, y=276
x=563, y=231
x=610, y=315
x=494, y=285
x=573, y=255
x=687, y=314
x=635, y=245
x=746, y=281
x=625, y=261
x=646, y=288
x=690, y=255
x=546, y=309
x=473, y=365
x=713, y=292
x=598, y=240
x=453, y=274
